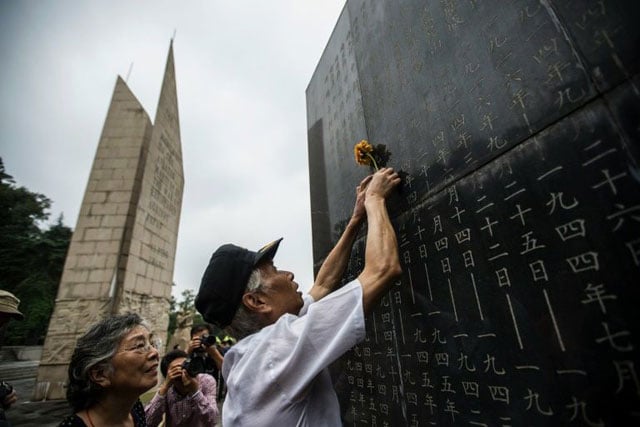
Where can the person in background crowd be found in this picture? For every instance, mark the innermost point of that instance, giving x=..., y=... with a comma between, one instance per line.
x=203, y=351
x=183, y=400
x=8, y=310
x=226, y=343
x=112, y=365
x=203, y=341
x=277, y=374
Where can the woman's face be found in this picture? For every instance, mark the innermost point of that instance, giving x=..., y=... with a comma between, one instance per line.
x=135, y=363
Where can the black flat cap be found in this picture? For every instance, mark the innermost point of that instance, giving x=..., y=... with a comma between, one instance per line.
x=225, y=279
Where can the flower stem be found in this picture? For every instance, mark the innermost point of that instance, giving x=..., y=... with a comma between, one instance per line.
x=375, y=165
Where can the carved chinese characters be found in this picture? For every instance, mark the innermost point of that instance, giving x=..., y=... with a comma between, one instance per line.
x=515, y=128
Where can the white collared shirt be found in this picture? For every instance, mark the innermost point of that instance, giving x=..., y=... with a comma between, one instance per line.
x=279, y=377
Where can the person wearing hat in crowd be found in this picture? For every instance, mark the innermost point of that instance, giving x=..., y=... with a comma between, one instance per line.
x=276, y=374
x=8, y=310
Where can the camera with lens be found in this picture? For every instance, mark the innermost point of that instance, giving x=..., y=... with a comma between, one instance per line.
x=207, y=340
x=198, y=362
x=195, y=364
x=5, y=390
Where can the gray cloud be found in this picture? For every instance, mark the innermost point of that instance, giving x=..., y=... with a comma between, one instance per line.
x=242, y=69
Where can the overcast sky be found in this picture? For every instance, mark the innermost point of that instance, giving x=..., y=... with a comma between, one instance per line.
x=242, y=68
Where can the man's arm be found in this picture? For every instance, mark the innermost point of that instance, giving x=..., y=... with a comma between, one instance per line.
x=205, y=403
x=334, y=265
x=154, y=410
x=215, y=354
x=157, y=406
x=381, y=260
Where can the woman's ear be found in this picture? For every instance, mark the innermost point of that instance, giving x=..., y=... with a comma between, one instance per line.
x=256, y=302
x=99, y=376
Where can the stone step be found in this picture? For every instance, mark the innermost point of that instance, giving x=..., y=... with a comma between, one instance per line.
x=11, y=371
x=7, y=354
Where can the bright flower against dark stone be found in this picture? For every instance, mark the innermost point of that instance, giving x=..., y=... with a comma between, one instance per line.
x=363, y=152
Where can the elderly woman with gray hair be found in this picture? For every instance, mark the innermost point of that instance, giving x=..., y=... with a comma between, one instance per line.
x=112, y=365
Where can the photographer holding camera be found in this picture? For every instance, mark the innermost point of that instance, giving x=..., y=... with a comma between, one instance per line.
x=203, y=352
x=8, y=310
x=183, y=399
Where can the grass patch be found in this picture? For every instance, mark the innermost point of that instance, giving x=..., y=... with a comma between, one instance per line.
x=146, y=398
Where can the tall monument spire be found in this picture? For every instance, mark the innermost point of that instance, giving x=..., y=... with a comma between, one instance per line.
x=158, y=213
x=121, y=256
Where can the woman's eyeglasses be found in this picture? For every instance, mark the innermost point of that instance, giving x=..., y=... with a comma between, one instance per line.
x=143, y=347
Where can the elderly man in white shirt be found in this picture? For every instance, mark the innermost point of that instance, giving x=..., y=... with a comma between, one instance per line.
x=277, y=373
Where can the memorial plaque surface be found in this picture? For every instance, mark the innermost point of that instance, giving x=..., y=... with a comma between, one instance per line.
x=515, y=125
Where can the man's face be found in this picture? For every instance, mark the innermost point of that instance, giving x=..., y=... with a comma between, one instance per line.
x=280, y=291
x=196, y=340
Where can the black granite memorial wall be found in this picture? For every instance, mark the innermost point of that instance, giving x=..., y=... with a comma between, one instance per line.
x=516, y=126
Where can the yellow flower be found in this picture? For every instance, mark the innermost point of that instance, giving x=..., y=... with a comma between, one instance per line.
x=362, y=151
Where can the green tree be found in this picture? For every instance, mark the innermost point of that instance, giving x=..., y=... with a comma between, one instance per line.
x=38, y=291
x=173, y=316
x=185, y=305
x=21, y=212
x=31, y=258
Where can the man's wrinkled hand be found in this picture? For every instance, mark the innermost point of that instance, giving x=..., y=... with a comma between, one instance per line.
x=382, y=182
x=191, y=384
x=194, y=344
x=359, y=211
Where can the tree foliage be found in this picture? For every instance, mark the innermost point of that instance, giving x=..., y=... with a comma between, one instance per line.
x=185, y=305
x=31, y=258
